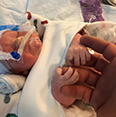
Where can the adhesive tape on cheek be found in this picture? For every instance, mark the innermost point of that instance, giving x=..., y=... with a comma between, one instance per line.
x=24, y=40
x=1, y=32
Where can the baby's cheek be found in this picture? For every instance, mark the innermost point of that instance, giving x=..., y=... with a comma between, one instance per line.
x=29, y=59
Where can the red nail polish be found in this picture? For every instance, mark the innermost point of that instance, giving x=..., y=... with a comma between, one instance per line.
x=59, y=66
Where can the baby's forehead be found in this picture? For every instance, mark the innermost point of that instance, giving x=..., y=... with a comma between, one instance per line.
x=2, y=32
x=8, y=33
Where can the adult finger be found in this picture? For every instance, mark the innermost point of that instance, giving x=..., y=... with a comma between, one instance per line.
x=97, y=61
x=74, y=78
x=78, y=92
x=104, y=47
x=83, y=91
x=69, y=56
x=88, y=76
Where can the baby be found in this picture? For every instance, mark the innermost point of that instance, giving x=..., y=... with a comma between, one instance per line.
x=10, y=41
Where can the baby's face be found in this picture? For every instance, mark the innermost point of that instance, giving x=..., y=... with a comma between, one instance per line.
x=10, y=41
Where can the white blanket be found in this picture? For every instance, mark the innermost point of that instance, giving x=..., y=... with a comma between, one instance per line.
x=36, y=100
x=37, y=92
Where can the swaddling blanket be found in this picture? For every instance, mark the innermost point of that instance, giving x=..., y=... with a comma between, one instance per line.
x=36, y=99
x=10, y=86
x=10, y=83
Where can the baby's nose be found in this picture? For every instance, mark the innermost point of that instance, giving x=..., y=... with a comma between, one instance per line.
x=17, y=43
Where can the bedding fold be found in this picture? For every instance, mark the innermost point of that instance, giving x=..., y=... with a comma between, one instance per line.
x=37, y=90
x=10, y=83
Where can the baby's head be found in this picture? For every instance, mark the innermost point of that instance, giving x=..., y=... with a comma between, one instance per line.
x=10, y=41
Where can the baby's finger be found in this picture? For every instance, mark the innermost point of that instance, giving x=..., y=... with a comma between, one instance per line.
x=88, y=55
x=77, y=59
x=68, y=74
x=74, y=78
x=69, y=57
x=83, y=57
x=58, y=71
x=69, y=52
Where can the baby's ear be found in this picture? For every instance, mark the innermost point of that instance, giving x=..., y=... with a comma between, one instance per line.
x=25, y=73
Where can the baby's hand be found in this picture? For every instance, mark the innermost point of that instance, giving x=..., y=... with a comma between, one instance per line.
x=65, y=76
x=61, y=77
x=77, y=54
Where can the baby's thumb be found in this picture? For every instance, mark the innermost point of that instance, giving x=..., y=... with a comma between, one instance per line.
x=58, y=70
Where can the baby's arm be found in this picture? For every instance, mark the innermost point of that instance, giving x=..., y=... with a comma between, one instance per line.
x=77, y=53
x=61, y=77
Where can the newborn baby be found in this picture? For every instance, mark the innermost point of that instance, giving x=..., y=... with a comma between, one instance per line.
x=10, y=41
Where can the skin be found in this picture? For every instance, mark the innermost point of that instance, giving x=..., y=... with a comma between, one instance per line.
x=11, y=40
x=77, y=54
x=60, y=78
x=102, y=95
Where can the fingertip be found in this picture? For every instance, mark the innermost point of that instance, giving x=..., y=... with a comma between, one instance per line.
x=58, y=69
x=69, y=57
x=59, y=66
x=70, y=68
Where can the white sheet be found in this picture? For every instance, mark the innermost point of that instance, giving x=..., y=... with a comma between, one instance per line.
x=11, y=12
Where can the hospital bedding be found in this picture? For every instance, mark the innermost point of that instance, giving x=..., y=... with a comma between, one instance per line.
x=11, y=12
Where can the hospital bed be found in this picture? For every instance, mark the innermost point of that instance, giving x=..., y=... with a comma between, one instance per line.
x=17, y=104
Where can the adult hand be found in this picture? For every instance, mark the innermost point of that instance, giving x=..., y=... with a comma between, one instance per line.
x=102, y=95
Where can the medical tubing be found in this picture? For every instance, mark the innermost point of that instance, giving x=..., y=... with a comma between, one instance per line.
x=24, y=40
x=5, y=56
x=15, y=55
